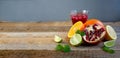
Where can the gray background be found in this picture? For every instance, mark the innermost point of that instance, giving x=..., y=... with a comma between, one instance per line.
x=57, y=10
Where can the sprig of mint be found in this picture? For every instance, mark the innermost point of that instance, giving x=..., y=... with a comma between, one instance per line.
x=82, y=33
x=107, y=49
x=67, y=48
x=63, y=48
x=59, y=47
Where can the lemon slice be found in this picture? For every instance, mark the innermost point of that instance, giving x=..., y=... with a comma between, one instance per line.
x=76, y=40
x=110, y=43
x=111, y=34
x=57, y=39
x=77, y=26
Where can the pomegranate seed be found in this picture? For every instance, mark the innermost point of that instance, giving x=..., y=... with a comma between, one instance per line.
x=95, y=25
x=87, y=38
x=86, y=33
x=92, y=39
x=91, y=32
x=99, y=33
x=95, y=37
x=102, y=30
x=96, y=33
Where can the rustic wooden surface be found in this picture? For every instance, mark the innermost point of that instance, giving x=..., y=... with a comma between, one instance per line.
x=35, y=40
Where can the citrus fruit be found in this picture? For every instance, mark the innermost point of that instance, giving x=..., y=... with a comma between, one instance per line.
x=76, y=40
x=110, y=43
x=110, y=33
x=77, y=26
x=57, y=39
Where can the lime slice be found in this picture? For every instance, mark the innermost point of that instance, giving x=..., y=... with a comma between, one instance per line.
x=110, y=43
x=76, y=40
x=57, y=39
x=111, y=34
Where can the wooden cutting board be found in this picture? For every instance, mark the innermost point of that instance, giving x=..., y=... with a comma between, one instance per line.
x=36, y=40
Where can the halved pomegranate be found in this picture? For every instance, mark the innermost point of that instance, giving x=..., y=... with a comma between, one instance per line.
x=94, y=33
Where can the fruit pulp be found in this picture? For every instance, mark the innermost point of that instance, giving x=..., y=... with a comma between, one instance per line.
x=111, y=33
x=79, y=16
x=77, y=26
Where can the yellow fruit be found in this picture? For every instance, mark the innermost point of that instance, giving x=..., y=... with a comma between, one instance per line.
x=77, y=26
x=110, y=33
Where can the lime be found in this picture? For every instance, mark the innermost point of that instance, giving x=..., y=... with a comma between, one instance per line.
x=57, y=39
x=76, y=40
x=110, y=33
x=110, y=43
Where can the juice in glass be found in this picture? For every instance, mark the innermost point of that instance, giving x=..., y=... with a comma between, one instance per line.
x=79, y=16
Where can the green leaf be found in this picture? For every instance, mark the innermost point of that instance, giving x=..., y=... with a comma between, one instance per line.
x=107, y=49
x=67, y=48
x=59, y=47
x=82, y=33
x=63, y=48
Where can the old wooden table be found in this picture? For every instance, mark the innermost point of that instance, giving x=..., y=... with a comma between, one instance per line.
x=35, y=40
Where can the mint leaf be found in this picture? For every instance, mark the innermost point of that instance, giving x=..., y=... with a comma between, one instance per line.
x=59, y=47
x=63, y=48
x=82, y=33
x=66, y=48
x=107, y=49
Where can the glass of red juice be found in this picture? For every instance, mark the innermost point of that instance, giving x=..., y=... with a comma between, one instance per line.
x=79, y=16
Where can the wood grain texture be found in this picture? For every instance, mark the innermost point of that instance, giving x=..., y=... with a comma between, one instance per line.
x=35, y=40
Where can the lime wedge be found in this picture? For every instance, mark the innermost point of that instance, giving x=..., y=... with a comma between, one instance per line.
x=110, y=43
x=76, y=40
x=57, y=39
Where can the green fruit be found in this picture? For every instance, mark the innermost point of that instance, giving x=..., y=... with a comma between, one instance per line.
x=57, y=39
x=76, y=40
x=110, y=43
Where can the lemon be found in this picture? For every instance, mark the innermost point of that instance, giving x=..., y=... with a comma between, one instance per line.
x=110, y=43
x=57, y=39
x=110, y=33
x=76, y=40
x=77, y=26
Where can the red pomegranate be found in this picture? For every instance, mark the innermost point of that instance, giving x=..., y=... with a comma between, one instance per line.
x=94, y=32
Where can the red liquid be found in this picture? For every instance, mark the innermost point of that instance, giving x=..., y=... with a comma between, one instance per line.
x=79, y=17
